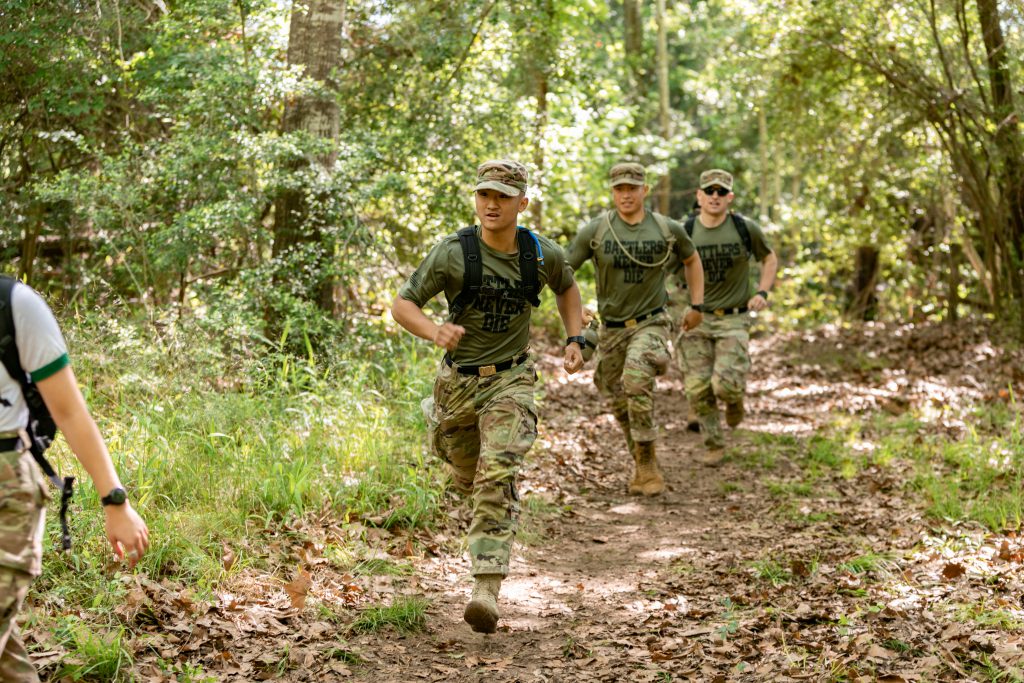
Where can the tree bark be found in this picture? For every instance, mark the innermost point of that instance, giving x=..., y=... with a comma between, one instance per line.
x=314, y=42
x=1008, y=143
x=634, y=43
x=545, y=57
x=863, y=302
x=762, y=130
x=665, y=187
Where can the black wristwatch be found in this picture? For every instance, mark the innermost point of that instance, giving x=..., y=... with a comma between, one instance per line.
x=579, y=339
x=763, y=294
x=117, y=496
x=697, y=307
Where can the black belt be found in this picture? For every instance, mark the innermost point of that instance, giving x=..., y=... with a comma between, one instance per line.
x=485, y=370
x=633, y=321
x=11, y=444
x=727, y=311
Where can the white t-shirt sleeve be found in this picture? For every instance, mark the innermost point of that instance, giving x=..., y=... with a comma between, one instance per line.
x=41, y=346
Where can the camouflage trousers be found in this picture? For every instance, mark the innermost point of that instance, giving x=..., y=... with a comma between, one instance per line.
x=717, y=360
x=22, y=520
x=628, y=360
x=679, y=300
x=483, y=427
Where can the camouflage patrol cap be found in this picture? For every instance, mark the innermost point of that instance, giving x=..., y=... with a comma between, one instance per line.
x=628, y=173
x=504, y=175
x=716, y=176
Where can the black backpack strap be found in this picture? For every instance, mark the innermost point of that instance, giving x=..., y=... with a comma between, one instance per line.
x=530, y=256
x=8, y=345
x=37, y=411
x=689, y=225
x=744, y=231
x=473, y=274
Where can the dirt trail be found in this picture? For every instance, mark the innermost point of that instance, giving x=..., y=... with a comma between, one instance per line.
x=725, y=577
x=753, y=571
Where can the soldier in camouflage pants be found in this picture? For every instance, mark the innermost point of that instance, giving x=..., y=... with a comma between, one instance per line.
x=481, y=416
x=629, y=358
x=483, y=427
x=716, y=352
x=22, y=516
x=717, y=360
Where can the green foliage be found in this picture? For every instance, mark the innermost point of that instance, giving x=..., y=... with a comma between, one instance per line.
x=772, y=572
x=406, y=614
x=94, y=656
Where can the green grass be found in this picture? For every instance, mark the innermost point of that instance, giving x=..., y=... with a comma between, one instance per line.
x=786, y=489
x=536, y=511
x=218, y=445
x=380, y=567
x=772, y=572
x=404, y=614
x=980, y=613
x=867, y=563
x=978, y=477
x=94, y=655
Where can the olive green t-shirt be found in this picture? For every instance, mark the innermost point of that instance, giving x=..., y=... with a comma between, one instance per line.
x=498, y=322
x=726, y=262
x=626, y=289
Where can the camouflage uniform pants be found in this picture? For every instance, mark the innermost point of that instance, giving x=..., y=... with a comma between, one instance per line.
x=22, y=519
x=484, y=427
x=717, y=360
x=628, y=360
x=680, y=301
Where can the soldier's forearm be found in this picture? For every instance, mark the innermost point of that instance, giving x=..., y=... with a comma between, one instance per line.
x=693, y=270
x=570, y=308
x=769, y=267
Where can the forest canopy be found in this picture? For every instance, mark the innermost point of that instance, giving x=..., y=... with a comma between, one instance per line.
x=179, y=156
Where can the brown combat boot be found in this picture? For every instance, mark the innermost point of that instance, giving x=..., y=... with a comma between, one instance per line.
x=636, y=486
x=712, y=457
x=649, y=480
x=734, y=413
x=692, y=421
x=482, y=611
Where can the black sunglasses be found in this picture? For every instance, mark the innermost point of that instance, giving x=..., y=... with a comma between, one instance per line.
x=720, y=191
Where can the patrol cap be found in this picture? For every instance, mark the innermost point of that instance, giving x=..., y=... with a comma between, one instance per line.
x=628, y=173
x=716, y=176
x=504, y=175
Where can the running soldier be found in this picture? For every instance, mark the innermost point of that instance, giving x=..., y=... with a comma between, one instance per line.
x=716, y=352
x=483, y=418
x=632, y=250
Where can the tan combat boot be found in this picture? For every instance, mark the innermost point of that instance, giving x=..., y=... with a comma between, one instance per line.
x=636, y=487
x=482, y=611
x=649, y=480
x=734, y=413
x=712, y=457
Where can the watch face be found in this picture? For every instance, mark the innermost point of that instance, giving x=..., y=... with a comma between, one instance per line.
x=116, y=497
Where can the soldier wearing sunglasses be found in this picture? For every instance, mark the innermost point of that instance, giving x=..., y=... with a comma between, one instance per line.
x=716, y=352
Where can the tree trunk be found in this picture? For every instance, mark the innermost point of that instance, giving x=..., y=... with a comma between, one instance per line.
x=545, y=57
x=665, y=188
x=953, y=283
x=762, y=144
x=314, y=41
x=863, y=302
x=634, y=43
x=1008, y=143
